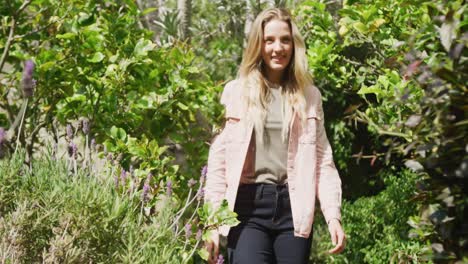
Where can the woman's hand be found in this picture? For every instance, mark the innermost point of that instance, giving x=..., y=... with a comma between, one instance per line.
x=338, y=237
x=212, y=246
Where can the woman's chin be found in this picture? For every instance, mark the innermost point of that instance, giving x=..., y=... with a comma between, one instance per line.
x=277, y=67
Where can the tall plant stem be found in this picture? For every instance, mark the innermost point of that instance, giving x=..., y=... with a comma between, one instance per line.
x=22, y=113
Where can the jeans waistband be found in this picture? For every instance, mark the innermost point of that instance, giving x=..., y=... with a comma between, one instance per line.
x=259, y=189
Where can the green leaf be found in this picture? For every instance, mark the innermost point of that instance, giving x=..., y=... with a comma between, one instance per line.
x=97, y=57
x=193, y=69
x=374, y=89
x=84, y=18
x=378, y=22
x=447, y=33
x=135, y=149
x=67, y=35
x=46, y=66
x=203, y=253
x=149, y=10
x=109, y=146
x=143, y=46
x=182, y=106
x=118, y=133
x=360, y=27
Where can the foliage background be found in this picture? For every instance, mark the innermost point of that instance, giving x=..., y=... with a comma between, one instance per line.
x=131, y=88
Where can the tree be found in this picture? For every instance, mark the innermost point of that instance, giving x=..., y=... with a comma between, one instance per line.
x=184, y=8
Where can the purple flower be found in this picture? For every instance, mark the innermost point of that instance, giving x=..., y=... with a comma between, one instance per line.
x=144, y=194
x=69, y=131
x=191, y=183
x=28, y=67
x=116, y=181
x=123, y=176
x=204, y=171
x=72, y=150
x=188, y=230
x=199, y=234
x=109, y=157
x=220, y=259
x=200, y=194
x=93, y=144
x=146, y=187
x=169, y=187
x=149, y=177
x=2, y=135
x=27, y=79
x=85, y=126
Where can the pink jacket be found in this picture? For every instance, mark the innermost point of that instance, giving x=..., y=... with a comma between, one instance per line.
x=310, y=167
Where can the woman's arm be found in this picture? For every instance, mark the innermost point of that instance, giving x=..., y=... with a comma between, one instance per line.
x=215, y=187
x=328, y=179
x=329, y=185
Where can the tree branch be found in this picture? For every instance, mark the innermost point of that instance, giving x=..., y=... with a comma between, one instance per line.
x=8, y=43
x=11, y=33
x=22, y=7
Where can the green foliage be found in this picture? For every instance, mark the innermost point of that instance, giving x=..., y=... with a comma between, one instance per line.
x=398, y=67
x=94, y=61
x=376, y=226
x=393, y=78
x=214, y=218
x=48, y=215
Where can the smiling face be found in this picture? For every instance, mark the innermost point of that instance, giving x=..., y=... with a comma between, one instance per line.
x=277, y=48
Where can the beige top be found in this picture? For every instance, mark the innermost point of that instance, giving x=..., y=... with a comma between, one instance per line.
x=270, y=158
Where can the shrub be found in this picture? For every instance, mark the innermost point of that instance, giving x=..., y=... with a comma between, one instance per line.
x=376, y=226
x=50, y=215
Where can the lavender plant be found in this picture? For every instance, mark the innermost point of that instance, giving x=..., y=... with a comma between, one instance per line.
x=94, y=220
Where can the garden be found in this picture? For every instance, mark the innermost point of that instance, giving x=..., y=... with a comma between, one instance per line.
x=108, y=109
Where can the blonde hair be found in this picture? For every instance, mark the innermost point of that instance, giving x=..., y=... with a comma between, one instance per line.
x=252, y=79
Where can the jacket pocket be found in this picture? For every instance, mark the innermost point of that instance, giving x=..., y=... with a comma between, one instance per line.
x=236, y=130
x=309, y=132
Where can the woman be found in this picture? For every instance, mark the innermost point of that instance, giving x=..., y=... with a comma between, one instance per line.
x=273, y=157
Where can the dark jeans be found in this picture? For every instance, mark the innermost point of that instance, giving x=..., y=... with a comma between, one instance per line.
x=266, y=232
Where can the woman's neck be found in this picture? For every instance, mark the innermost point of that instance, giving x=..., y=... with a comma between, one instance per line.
x=273, y=77
x=272, y=85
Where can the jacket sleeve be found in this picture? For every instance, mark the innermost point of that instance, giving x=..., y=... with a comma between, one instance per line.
x=215, y=186
x=328, y=179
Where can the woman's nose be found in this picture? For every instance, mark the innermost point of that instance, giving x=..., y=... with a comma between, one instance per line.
x=277, y=46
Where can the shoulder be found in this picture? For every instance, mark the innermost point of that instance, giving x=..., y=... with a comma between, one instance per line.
x=313, y=95
x=229, y=89
x=232, y=99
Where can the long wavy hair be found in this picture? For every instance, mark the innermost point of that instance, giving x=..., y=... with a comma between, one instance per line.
x=253, y=79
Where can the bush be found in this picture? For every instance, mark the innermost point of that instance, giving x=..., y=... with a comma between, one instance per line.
x=50, y=215
x=376, y=226
x=400, y=68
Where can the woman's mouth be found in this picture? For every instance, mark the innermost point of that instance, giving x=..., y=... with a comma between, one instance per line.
x=277, y=59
